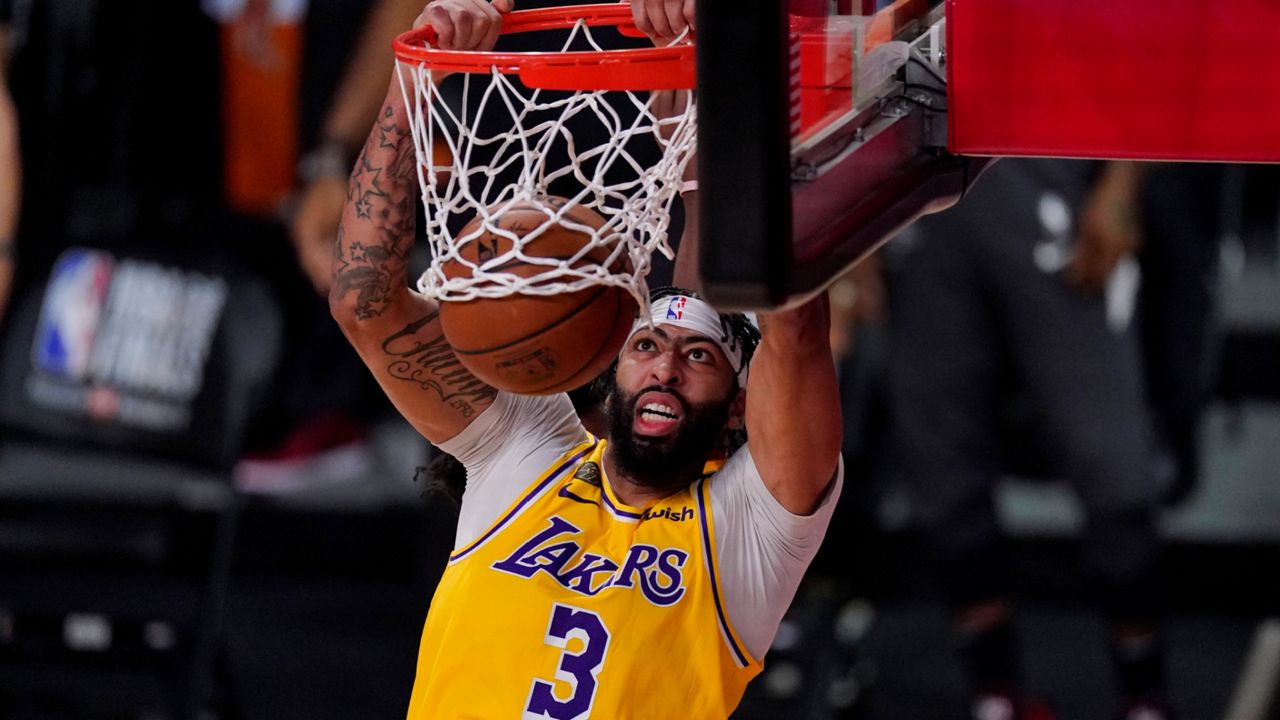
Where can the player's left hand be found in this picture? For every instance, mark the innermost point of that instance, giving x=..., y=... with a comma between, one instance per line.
x=663, y=20
x=1110, y=226
x=465, y=24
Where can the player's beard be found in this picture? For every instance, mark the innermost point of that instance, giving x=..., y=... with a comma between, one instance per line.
x=671, y=460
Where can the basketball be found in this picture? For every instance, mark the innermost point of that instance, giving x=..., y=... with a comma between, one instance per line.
x=537, y=344
x=441, y=162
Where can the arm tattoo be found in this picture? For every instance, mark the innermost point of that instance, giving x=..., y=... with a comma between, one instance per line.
x=431, y=364
x=373, y=243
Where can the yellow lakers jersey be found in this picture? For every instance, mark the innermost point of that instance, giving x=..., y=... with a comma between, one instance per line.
x=573, y=606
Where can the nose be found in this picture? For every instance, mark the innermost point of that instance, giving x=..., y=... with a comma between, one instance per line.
x=666, y=369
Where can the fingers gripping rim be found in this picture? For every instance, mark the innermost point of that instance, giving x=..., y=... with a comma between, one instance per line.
x=524, y=159
x=667, y=68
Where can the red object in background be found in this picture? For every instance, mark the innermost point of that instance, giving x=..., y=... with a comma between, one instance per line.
x=261, y=68
x=1184, y=80
x=822, y=46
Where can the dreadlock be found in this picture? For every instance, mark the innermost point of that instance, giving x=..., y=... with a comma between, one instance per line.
x=444, y=476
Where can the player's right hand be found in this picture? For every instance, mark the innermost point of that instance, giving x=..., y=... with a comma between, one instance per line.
x=663, y=20
x=465, y=24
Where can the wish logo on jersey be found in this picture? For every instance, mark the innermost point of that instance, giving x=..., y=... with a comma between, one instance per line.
x=658, y=573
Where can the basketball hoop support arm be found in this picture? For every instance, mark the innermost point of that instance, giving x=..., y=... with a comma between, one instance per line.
x=779, y=225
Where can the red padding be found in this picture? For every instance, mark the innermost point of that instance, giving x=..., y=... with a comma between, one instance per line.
x=1181, y=80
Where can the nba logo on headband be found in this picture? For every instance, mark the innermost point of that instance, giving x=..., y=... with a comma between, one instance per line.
x=694, y=314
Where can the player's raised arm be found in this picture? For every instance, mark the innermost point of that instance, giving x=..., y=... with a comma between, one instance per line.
x=793, y=405
x=397, y=331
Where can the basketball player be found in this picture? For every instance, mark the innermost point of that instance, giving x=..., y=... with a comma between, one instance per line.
x=639, y=576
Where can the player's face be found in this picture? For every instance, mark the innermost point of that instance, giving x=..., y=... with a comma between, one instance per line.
x=668, y=369
x=674, y=391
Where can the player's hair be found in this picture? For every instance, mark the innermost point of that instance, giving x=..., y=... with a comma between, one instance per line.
x=444, y=477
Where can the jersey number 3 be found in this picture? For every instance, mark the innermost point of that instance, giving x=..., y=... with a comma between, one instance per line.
x=579, y=665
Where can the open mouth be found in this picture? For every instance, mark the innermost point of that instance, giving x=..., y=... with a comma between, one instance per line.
x=657, y=414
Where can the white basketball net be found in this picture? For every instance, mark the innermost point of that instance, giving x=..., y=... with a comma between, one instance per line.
x=606, y=150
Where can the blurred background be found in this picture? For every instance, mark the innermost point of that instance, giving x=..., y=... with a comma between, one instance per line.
x=1062, y=407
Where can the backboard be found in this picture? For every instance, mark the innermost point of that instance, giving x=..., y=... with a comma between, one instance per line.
x=825, y=126
x=822, y=132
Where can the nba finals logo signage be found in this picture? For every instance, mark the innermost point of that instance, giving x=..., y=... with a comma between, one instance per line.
x=123, y=341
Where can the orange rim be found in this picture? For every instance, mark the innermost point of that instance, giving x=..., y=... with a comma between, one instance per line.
x=669, y=68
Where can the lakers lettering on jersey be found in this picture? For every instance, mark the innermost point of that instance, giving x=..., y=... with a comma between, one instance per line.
x=573, y=605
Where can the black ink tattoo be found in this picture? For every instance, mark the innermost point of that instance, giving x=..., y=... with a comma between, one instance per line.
x=372, y=252
x=432, y=365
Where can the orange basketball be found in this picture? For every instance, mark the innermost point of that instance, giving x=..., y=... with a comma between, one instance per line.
x=537, y=344
x=441, y=161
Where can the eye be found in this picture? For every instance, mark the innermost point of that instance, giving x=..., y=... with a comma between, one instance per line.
x=700, y=355
x=644, y=344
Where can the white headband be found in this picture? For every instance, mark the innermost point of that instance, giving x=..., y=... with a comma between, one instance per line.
x=693, y=314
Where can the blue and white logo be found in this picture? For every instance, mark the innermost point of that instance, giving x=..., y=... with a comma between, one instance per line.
x=73, y=307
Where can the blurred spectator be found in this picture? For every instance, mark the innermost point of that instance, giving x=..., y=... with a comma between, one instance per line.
x=296, y=106
x=126, y=262
x=325, y=167
x=298, y=96
x=858, y=340
x=10, y=163
x=82, y=78
x=1028, y=286
x=1182, y=206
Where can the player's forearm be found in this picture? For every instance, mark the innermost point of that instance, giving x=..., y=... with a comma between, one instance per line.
x=686, y=273
x=793, y=406
x=415, y=365
x=371, y=257
x=394, y=330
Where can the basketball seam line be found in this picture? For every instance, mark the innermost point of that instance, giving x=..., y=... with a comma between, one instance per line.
x=541, y=330
x=517, y=262
x=617, y=310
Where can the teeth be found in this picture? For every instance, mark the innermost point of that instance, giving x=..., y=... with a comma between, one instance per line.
x=658, y=409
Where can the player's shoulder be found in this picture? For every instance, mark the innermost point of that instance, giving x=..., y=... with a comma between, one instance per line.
x=514, y=422
x=735, y=473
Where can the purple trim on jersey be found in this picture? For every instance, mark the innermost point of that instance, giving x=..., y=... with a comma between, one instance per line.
x=523, y=501
x=619, y=511
x=564, y=493
x=703, y=514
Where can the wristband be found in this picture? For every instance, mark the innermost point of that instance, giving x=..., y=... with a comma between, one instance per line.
x=688, y=186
